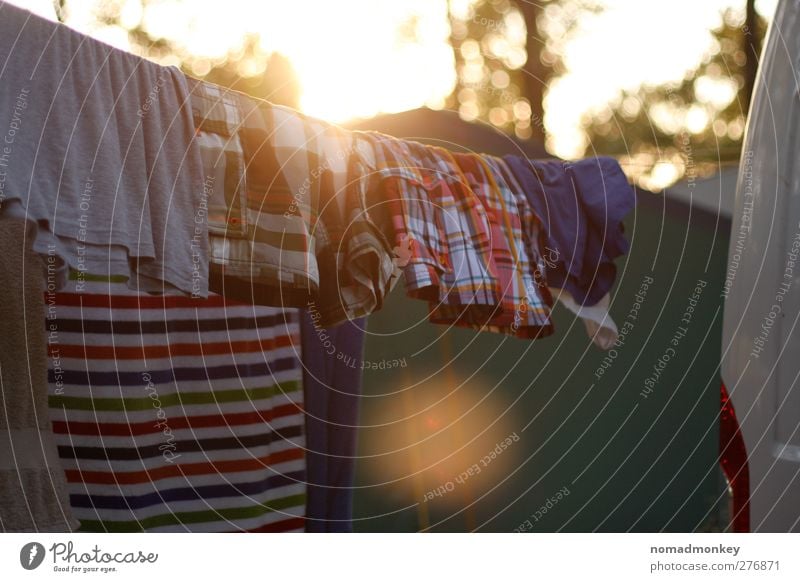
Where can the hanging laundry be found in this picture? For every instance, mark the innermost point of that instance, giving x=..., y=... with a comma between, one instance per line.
x=409, y=215
x=33, y=488
x=354, y=257
x=217, y=119
x=525, y=301
x=581, y=205
x=281, y=153
x=332, y=374
x=470, y=289
x=302, y=233
x=385, y=201
x=600, y=327
x=473, y=270
x=177, y=414
x=607, y=198
x=261, y=247
x=98, y=154
x=452, y=269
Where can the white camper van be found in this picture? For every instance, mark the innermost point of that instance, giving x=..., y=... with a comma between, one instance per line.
x=761, y=333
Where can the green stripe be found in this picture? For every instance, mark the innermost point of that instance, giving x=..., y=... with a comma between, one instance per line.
x=92, y=278
x=189, y=517
x=174, y=399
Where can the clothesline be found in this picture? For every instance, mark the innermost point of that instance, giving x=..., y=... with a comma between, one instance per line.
x=282, y=209
x=407, y=172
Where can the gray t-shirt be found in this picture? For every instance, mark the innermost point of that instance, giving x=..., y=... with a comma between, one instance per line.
x=96, y=147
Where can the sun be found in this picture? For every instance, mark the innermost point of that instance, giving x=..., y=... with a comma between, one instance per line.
x=356, y=59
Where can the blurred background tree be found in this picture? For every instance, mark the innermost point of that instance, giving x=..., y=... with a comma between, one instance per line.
x=507, y=55
x=491, y=47
x=660, y=133
x=248, y=68
x=690, y=127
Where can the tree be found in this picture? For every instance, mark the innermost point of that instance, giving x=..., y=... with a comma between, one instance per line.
x=687, y=128
x=536, y=71
x=660, y=133
x=499, y=78
x=248, y=69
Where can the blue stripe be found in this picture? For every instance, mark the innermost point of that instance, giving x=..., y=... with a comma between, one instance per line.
x=186, y=493
x=89, y=378
x=228, y=443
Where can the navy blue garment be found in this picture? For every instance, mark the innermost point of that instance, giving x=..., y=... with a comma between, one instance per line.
x=581, y=205
x=332, y=375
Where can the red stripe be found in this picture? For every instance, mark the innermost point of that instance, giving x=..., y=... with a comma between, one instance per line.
x=143, y=428
x=142, y=301
x=172, y=350
x=278, y=526
x=135, y=477
x=733, y=459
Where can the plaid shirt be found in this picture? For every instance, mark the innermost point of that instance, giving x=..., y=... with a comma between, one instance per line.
x=469, y=284
x=524, y=307
x=532, y=242
x=354, y=257
x=217, y=120
x=407, y=212
x=270, y=259
x=289, y=206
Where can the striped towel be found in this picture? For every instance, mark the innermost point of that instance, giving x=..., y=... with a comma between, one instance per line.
x=176, y=414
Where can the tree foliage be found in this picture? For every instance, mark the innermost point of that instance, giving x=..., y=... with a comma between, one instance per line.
x=660, y=133
x=247, y=68
x=686, y=128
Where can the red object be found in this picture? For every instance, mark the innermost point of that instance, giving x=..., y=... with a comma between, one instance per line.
x=733, y=460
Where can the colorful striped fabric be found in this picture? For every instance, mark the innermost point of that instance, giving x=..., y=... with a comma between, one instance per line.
x=176, y=414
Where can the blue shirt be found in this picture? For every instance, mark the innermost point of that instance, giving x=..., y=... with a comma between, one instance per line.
x=581, y=205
